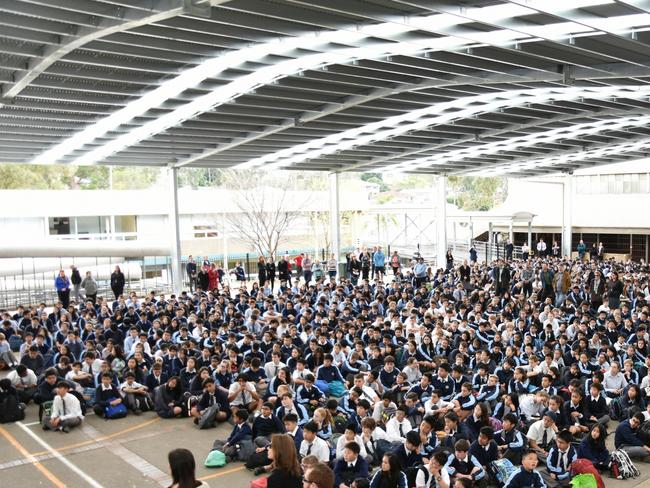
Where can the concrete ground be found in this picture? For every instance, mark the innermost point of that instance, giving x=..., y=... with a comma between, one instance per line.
x=130, y=452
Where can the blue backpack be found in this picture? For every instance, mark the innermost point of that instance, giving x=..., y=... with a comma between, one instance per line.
x=337, y=389
x=115, y=411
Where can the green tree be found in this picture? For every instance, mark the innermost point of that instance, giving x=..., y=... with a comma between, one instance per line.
x=38, y=177
x=476, y=193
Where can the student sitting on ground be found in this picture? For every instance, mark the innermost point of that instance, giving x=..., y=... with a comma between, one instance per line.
x=169, y=399
x=350, y=467
x=136, y=396
x=66, y=410
x=559, y=461
x=462, y=465
x=241, y=438
x=106, y=394
x=526, y=476
x=510, y=440
x=212, y=407
x=434, y=474
x=627, y=438
x=312, y=445
x=593, y=448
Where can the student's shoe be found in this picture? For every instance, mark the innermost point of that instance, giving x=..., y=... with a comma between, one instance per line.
x=259, y=471
x=65, y=429
x=137, y=411
x=45, y=427
x=196, y=421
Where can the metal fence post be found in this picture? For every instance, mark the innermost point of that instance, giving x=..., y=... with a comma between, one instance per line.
x=248, y=267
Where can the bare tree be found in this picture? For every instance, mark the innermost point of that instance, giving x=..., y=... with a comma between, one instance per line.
x=320, y=223
x=266, y=211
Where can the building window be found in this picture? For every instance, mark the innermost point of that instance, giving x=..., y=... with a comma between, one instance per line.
x=205, y=231
x=59, y=226
x=612, y=184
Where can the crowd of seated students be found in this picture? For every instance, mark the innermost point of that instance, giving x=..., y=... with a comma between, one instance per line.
x=430, y=383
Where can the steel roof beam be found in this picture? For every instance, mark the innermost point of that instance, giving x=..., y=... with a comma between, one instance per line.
x=96, y=29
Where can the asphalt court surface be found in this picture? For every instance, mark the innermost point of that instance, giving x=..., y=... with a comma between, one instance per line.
x=129, y=452
x=132, y=452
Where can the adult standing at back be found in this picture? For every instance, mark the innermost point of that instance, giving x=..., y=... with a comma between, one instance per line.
x=379, y=260
x=117, y=282
x=62, y=285
x=306, y=268
x=75, y=279
x=614, y=291
x=89, y=286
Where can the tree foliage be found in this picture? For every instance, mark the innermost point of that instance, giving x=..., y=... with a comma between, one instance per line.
x=476, y=193
x=266, y=211
x=63, y=177
x=200, y=177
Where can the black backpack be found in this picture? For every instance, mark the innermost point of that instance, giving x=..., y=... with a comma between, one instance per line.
x=11, y=410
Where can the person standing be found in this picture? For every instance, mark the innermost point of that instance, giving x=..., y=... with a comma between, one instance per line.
x=306, y=268
x=562, y=285
x=473, y=254
x=546, y=276
x=332, y=264
x=283, y=269
x=89, y=286
x=614, y=291
x=525, y=251
x=501, y=278
x=117, y=282
x=365, y=264
x=75, y=279
x=601, y=251
x=541, y=248
x=394, y=263
x=270, y=272
x=190, y=269
x=62, y=285
x=379, y=262
x=510, y=247
x=261, y=271
x=582, y=249
x=449, y=261
x=555, y=250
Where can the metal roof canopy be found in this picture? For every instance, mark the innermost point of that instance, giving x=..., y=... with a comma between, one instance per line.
x=480, y=87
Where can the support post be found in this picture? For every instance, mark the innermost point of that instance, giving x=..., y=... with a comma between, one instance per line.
x=471, y=232
x=511, y=232
x=441, y=222
x=567, y=228
x=335, y=221
x=488, y=258
x=225, y=246
x=530, y=234
x=174, y=222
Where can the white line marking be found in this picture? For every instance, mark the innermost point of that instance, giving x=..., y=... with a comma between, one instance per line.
x=59, y=456
x=31, y=423
x=138, y=462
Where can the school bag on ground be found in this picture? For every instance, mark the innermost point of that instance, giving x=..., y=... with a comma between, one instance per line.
x=616, y=409
x=585, y=466
x=115, y=411
x=585, y=480
x=11, y=410
x=215, y=459
x=208, y=416
x=622, y=466
x=337, y=389
x=503, y=468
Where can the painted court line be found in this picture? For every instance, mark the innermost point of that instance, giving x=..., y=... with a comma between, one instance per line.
x=221, y=473
x=138, y=462
x=103, y=438
x=91, y=482
x=46, y=472
x=76, y=450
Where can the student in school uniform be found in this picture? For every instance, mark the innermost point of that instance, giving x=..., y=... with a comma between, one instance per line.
x=559, y=461
x=66, y=410
x=351, y=467
x=526, y=476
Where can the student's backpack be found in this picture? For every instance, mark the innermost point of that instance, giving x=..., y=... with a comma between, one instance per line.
x=616, y=409
x=15, y=341
x=586, y=480
x=337, y=389
x=215, y=459
x=11, y=410
x=585, y=466
x=340, y=423
x=208, y=416
x=644, y=432
x=503, y=469
x=45, y=410
x=115, y=411
x=496, y=424
x=622, y=464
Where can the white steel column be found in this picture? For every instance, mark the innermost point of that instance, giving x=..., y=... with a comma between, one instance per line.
x=174, y=222
x=488, y=258
x=225, y=246
x=567, y=228
x=530, y=234
x=335, y=225
x=441, y=221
